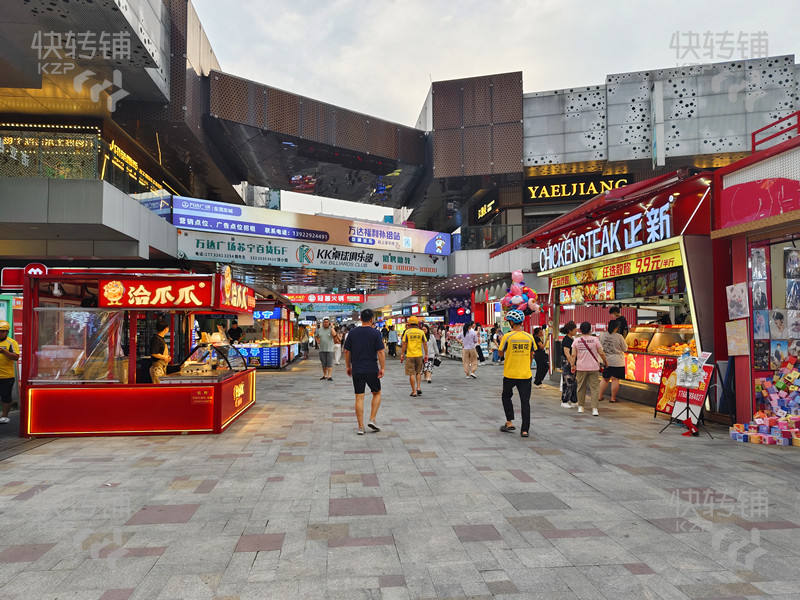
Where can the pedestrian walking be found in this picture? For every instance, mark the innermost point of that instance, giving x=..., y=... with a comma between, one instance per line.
x=469, y=356
x=433, y=348
x=517, y=347
x=540, y=356
x=569, y=385
x=414, y=352
x=339, y=333
x=438, y=330
x=326, y=341
x=589, y=358
x=614, y=346
x=365, y=360
x=494, y=345
x=392, y=341
x=9, y=355
x=479, y=344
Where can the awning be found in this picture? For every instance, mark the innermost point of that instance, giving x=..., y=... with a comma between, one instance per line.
x=610, y=201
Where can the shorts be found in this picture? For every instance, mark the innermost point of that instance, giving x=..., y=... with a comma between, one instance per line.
x=157, y=370
x=6, y=387
x=362, y=380
x=414, y=365
x=618, y=372
x=326, y=358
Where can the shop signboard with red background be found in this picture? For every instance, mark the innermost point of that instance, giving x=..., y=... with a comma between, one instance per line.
x=327, y=298
x=233, y=295
x=190, y=293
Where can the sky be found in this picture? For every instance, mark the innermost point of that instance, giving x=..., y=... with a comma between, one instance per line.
x=380, y=56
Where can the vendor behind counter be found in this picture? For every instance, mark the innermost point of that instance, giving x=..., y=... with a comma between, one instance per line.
x=158, y=352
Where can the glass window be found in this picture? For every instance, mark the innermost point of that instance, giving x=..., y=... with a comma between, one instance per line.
x=80, y=345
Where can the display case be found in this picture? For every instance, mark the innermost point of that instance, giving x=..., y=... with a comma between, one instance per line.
x=673, y=340
x=639, y=337
x=208, y=362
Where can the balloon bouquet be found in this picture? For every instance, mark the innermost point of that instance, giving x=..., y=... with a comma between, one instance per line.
x=520, y=296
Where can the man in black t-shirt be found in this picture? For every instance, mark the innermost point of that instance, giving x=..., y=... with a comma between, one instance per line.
x=616, y=314
x=235, y=333
x=158, y=352
x=365, y=358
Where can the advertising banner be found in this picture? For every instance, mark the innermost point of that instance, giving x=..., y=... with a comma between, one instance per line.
x=253, y=250
x=657, y=261
x=327, y=298
x=233, y=295
x=156, y=293
x=221, y=217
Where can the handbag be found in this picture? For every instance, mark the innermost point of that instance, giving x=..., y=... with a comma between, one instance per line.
x=437, y=361
x=585, y=345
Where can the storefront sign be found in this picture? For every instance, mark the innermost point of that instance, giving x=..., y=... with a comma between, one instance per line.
x=205, y=215
x=156, y=293
x=252, y=250
x=665, y=259
x=572, y=189
x=275, y=313
x=327, y=298
x=646, y=227
x=234, y=295
x=485, y=210
x=644, y=368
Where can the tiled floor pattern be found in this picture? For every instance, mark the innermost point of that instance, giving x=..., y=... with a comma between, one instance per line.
x=290, y=503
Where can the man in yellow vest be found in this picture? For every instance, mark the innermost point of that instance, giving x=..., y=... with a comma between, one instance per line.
x=9, y=355
x=517, y=348
x=414, y=352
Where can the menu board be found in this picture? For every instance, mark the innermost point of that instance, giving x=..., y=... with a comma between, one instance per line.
x=605, y=290
x=645, y=285
x=667, y=283
x=624, y=288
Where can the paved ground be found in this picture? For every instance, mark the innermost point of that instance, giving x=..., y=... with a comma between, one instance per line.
x=290, y=503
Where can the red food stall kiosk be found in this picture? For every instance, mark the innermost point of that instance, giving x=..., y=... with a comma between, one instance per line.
x=79, y=363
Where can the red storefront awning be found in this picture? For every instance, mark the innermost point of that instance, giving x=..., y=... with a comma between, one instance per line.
x=676, y=183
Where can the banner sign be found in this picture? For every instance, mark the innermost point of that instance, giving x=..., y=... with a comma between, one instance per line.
x=186, y=292
x=645, y=227
x=327, y=298
x=233, y=295
x=251, y=250
x=665, y=259
x=571, y=189
x=206, y=215
x=697, y=396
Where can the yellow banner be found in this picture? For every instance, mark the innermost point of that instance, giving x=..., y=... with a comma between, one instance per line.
x=630, y=266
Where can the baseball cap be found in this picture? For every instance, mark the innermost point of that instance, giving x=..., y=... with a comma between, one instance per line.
x=413, y=320
x=4, y=326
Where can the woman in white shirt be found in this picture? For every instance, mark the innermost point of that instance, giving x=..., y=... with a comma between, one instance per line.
x=614, y=346
x=469, y=356
x=433, y=350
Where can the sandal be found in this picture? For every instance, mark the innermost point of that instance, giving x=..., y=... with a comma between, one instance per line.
x=507, y=428
x=523, y=434
x=413, y=395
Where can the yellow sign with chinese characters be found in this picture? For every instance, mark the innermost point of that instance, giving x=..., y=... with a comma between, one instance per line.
x=656, y=261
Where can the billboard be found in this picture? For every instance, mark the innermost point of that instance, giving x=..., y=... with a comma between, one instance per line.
x=221, y=217
x=254, y=250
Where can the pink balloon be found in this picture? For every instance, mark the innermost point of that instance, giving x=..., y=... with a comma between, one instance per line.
x=516, y=300
x=532, y=305
x=505, y=302
x=517, y=276
x=516, y=289
x=535, y=308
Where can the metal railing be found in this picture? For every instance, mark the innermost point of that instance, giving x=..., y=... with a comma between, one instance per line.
x=482, y=237
x=789, y=126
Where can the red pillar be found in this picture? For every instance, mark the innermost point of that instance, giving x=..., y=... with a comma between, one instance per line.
x=742, y=364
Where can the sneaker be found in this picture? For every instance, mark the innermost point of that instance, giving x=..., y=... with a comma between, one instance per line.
x=595, y=412
x=580, y=409
x=468, y=376
x=566, y=405
x=473, y=375
x=374, y=427
x=330, y=378
x=360, y=431
x=5, y=420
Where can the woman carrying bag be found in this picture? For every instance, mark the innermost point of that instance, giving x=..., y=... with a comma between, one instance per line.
x=433, y=359
x=569, y=386
x=589, y=359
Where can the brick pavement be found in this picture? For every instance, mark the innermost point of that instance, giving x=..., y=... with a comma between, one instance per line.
x=290, y=503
